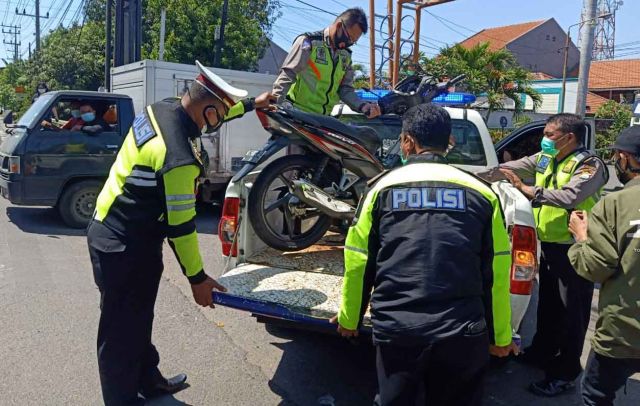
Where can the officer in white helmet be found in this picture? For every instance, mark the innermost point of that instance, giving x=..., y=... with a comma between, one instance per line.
x=150, y=196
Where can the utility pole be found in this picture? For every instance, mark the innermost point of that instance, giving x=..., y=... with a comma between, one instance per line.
x=163, y=21
x=38, y=17
x=15, y=31
x=108, y=47
x=220, y=41
x=586, y=49
x=128, y=39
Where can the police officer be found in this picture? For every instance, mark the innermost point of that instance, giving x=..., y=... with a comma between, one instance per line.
x=607, y=251
x=431, y=241
x=567, y=177
x=318, y=72
x=150, y=196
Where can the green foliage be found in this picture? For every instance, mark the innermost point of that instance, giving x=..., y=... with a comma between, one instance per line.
x=620, y=114
x=494, y=74
x=190, y=31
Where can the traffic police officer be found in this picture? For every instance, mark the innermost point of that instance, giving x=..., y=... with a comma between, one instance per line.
x=431, y=241
x=150, y=195
x=607, y=251
x=317, y=73
x=567, y=177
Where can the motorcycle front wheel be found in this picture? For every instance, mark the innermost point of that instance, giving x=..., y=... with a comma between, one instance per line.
x=278, y=217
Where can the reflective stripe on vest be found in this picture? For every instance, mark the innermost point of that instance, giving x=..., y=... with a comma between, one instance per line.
x=552, y=222
x=316, y=87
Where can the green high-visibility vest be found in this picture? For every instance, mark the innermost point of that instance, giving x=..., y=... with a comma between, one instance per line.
x=553, y=222
x=316, y=87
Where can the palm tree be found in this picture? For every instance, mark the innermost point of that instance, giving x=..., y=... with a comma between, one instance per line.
x=494, y=74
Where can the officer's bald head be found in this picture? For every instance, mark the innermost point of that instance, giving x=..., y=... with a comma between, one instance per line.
x=429, y=125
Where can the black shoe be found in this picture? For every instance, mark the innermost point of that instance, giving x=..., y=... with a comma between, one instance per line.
x=164, y=386
x=551, y=387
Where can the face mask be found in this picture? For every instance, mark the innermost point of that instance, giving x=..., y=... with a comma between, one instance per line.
x=210, y=128
x=403, y=158
x=621, y=173
x=88, y=117
x=549, y=146
x=343, y=37
x=75, y=113
x=41, y=90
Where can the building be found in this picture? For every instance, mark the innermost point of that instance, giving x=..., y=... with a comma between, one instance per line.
x=617, y=80
x=272, y=59
x=537, y=46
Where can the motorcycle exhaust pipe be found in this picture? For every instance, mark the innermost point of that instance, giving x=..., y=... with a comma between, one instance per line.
x=315, y=197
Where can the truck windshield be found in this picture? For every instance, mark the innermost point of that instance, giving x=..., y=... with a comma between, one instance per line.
x=35, y=111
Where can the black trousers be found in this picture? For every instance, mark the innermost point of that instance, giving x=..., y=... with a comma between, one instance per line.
x=604, y=376
x=564, y=309
x=449, y=372
x=128, y=279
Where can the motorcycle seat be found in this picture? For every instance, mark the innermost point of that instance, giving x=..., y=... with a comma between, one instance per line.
x=365, y=136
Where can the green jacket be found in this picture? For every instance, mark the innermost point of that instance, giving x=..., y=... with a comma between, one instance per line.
x=431, y=242
x=611, y=256
x=150, y=193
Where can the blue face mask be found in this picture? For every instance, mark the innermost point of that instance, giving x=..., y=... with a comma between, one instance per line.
x=88, y=117
x=75, y=113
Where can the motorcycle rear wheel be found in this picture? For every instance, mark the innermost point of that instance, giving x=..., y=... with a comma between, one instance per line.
x=277, y=216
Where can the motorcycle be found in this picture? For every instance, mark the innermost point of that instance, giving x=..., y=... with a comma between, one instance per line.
x=296, y=198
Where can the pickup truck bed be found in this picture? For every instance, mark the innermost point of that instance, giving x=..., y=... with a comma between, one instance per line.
x=306, y=283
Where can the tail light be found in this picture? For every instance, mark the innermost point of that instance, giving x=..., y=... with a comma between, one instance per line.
x=14, y=164
x=524, y=259
x=228, y=226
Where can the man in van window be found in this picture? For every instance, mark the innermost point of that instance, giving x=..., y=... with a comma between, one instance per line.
x=91, y=123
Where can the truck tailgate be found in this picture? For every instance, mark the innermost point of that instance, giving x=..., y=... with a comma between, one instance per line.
x=302, y=286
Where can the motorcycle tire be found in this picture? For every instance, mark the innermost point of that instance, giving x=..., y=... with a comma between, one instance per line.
x=257, y=214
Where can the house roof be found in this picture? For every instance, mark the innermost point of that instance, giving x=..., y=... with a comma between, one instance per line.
x=541, y=76
x=615, y=74
x=594, y=102
x=499, y=37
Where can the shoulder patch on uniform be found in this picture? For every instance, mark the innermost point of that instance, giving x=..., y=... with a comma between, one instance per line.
x=142, y=129
x=306, y=44
x=586, y=171
x=428, y=198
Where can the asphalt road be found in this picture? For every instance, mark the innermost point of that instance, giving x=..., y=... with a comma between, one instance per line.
x=49, y=313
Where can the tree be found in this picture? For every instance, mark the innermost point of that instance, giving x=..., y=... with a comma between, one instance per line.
x=494, y=74
x=70, y=58
x=620, y=116
x=191, y=25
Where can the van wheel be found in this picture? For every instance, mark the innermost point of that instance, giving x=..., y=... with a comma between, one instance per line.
x=78, y=202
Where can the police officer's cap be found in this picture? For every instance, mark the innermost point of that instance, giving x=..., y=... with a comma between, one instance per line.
x=223, y=91
x=629, y=141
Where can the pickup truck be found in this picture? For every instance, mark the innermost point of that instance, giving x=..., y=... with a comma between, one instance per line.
x=302, y=288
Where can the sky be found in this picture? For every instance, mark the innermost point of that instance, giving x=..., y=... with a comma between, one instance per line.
x=452, y=22
x=443, y=24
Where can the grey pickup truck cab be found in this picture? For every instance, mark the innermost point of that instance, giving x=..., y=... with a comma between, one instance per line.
x=50, y=159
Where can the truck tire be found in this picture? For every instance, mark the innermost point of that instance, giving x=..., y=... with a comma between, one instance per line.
x=78, y=202
x=257, y=214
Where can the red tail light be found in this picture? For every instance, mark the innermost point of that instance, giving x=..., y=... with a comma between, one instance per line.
x=228, y=226
x=524, y=259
